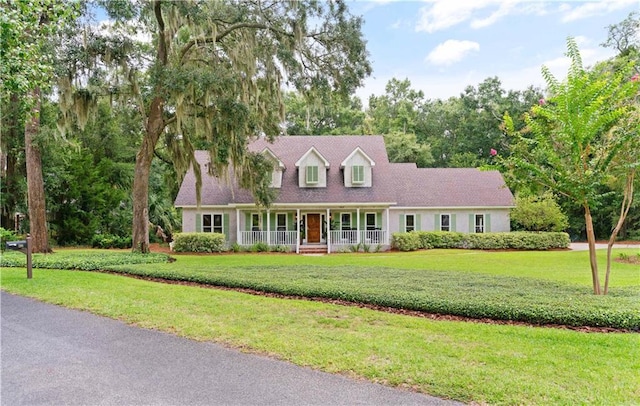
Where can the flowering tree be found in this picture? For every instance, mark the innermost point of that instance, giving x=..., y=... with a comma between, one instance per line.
x=578, y=137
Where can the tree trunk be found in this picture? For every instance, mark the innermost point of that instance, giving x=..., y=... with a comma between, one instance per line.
x=35, y=182
x=627, y=200
x=144, y=157
x=591, y=239
x=154, y=127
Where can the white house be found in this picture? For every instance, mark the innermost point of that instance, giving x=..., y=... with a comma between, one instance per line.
x=339, y=191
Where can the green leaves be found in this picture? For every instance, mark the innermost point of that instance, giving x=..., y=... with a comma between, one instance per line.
x=567, y=146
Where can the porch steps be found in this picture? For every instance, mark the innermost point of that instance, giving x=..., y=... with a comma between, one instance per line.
x=313, y=249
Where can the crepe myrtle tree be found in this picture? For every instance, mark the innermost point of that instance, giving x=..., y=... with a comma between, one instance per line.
x=585, y=131
x=209, y=75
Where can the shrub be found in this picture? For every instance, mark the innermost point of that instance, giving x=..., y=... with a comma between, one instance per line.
x=485, y=241
x=199, y=242
x=110, y=241
x=538, y=213
x=440, y=239
x=406, y=241
x=260, y=247
x=6, y=235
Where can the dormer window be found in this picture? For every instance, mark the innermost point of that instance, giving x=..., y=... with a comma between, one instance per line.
x=312, y=174
x=312, y=169
x=278, y=168
x=357, y=167
x=357, y=174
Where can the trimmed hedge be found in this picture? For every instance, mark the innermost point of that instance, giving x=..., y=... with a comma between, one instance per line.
x=199, y=242
x=408, y=241
x=442, y=292
x=86, y=261
x=486, y=241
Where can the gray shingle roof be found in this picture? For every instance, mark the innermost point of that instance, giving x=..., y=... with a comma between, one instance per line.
x=402, y=184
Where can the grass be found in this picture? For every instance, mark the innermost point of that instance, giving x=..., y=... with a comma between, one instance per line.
x=465, y=283
x=470, y=362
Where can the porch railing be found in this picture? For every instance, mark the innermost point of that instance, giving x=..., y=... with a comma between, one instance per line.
x=275, y=237
x=350, y=237
x=338, y=237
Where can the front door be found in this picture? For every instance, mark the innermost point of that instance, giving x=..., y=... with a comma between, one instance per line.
x=313, y=228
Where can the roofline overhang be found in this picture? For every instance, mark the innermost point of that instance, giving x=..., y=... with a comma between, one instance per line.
x=355, y=151
x=289, y=205
x=450, y=207
x=315, y=151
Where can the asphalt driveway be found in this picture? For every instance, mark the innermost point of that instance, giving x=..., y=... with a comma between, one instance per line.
x=52, y=356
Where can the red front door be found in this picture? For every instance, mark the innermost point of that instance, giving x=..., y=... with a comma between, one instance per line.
x=313, y=228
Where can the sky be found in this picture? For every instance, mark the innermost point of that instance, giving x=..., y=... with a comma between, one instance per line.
x=443, y=46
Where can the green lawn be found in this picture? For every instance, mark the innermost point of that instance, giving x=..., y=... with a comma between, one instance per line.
x=471, y=362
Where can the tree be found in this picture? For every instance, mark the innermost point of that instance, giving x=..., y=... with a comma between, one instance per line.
x=214, y=79
x=26, y=70
x=406, y=148
x=571, y=144
x=329, y=115
x=462, y=131
x=396, y=110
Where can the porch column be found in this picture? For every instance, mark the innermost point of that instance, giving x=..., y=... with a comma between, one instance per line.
x=328, y=232
x=358, y=225
x=238, y=235
x=388, y=231
x=298, y=231
x=268, y=227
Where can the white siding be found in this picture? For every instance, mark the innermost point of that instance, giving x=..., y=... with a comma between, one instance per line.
x=312, y=160
x=428, y=219
x=358, y=159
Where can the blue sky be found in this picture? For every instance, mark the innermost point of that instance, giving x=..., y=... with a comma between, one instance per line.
x=442, y=46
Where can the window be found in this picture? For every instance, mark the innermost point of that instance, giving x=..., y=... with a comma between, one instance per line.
x=479, y=223
x=212, y=223
x=370, y=220
x=312, y=174
x=410, y=222
x=445, y=222
x=357, y=174
x=281, y=221
x=345, y=221
x=255, y=221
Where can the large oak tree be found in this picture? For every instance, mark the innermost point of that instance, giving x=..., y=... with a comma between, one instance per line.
x=212, y=78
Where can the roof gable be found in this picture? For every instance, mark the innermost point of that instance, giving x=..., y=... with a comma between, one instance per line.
x=312, y=150
x=267, y=152
x=358, y=150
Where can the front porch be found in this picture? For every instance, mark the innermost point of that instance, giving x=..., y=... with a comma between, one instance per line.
x=329, y=230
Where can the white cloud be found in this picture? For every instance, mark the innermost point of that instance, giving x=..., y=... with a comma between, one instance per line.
x=451, y=51
x=595, y=8
x=441, y=14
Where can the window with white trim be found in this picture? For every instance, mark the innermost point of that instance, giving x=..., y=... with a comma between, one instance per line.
x=281, y=221
x=212, y=223
x=357, y=174
x=445, y=222
x=409, y=222
x=345, y=221
x=256, y=220
x=479, y=220
x=370, y=221
x=312, y=174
